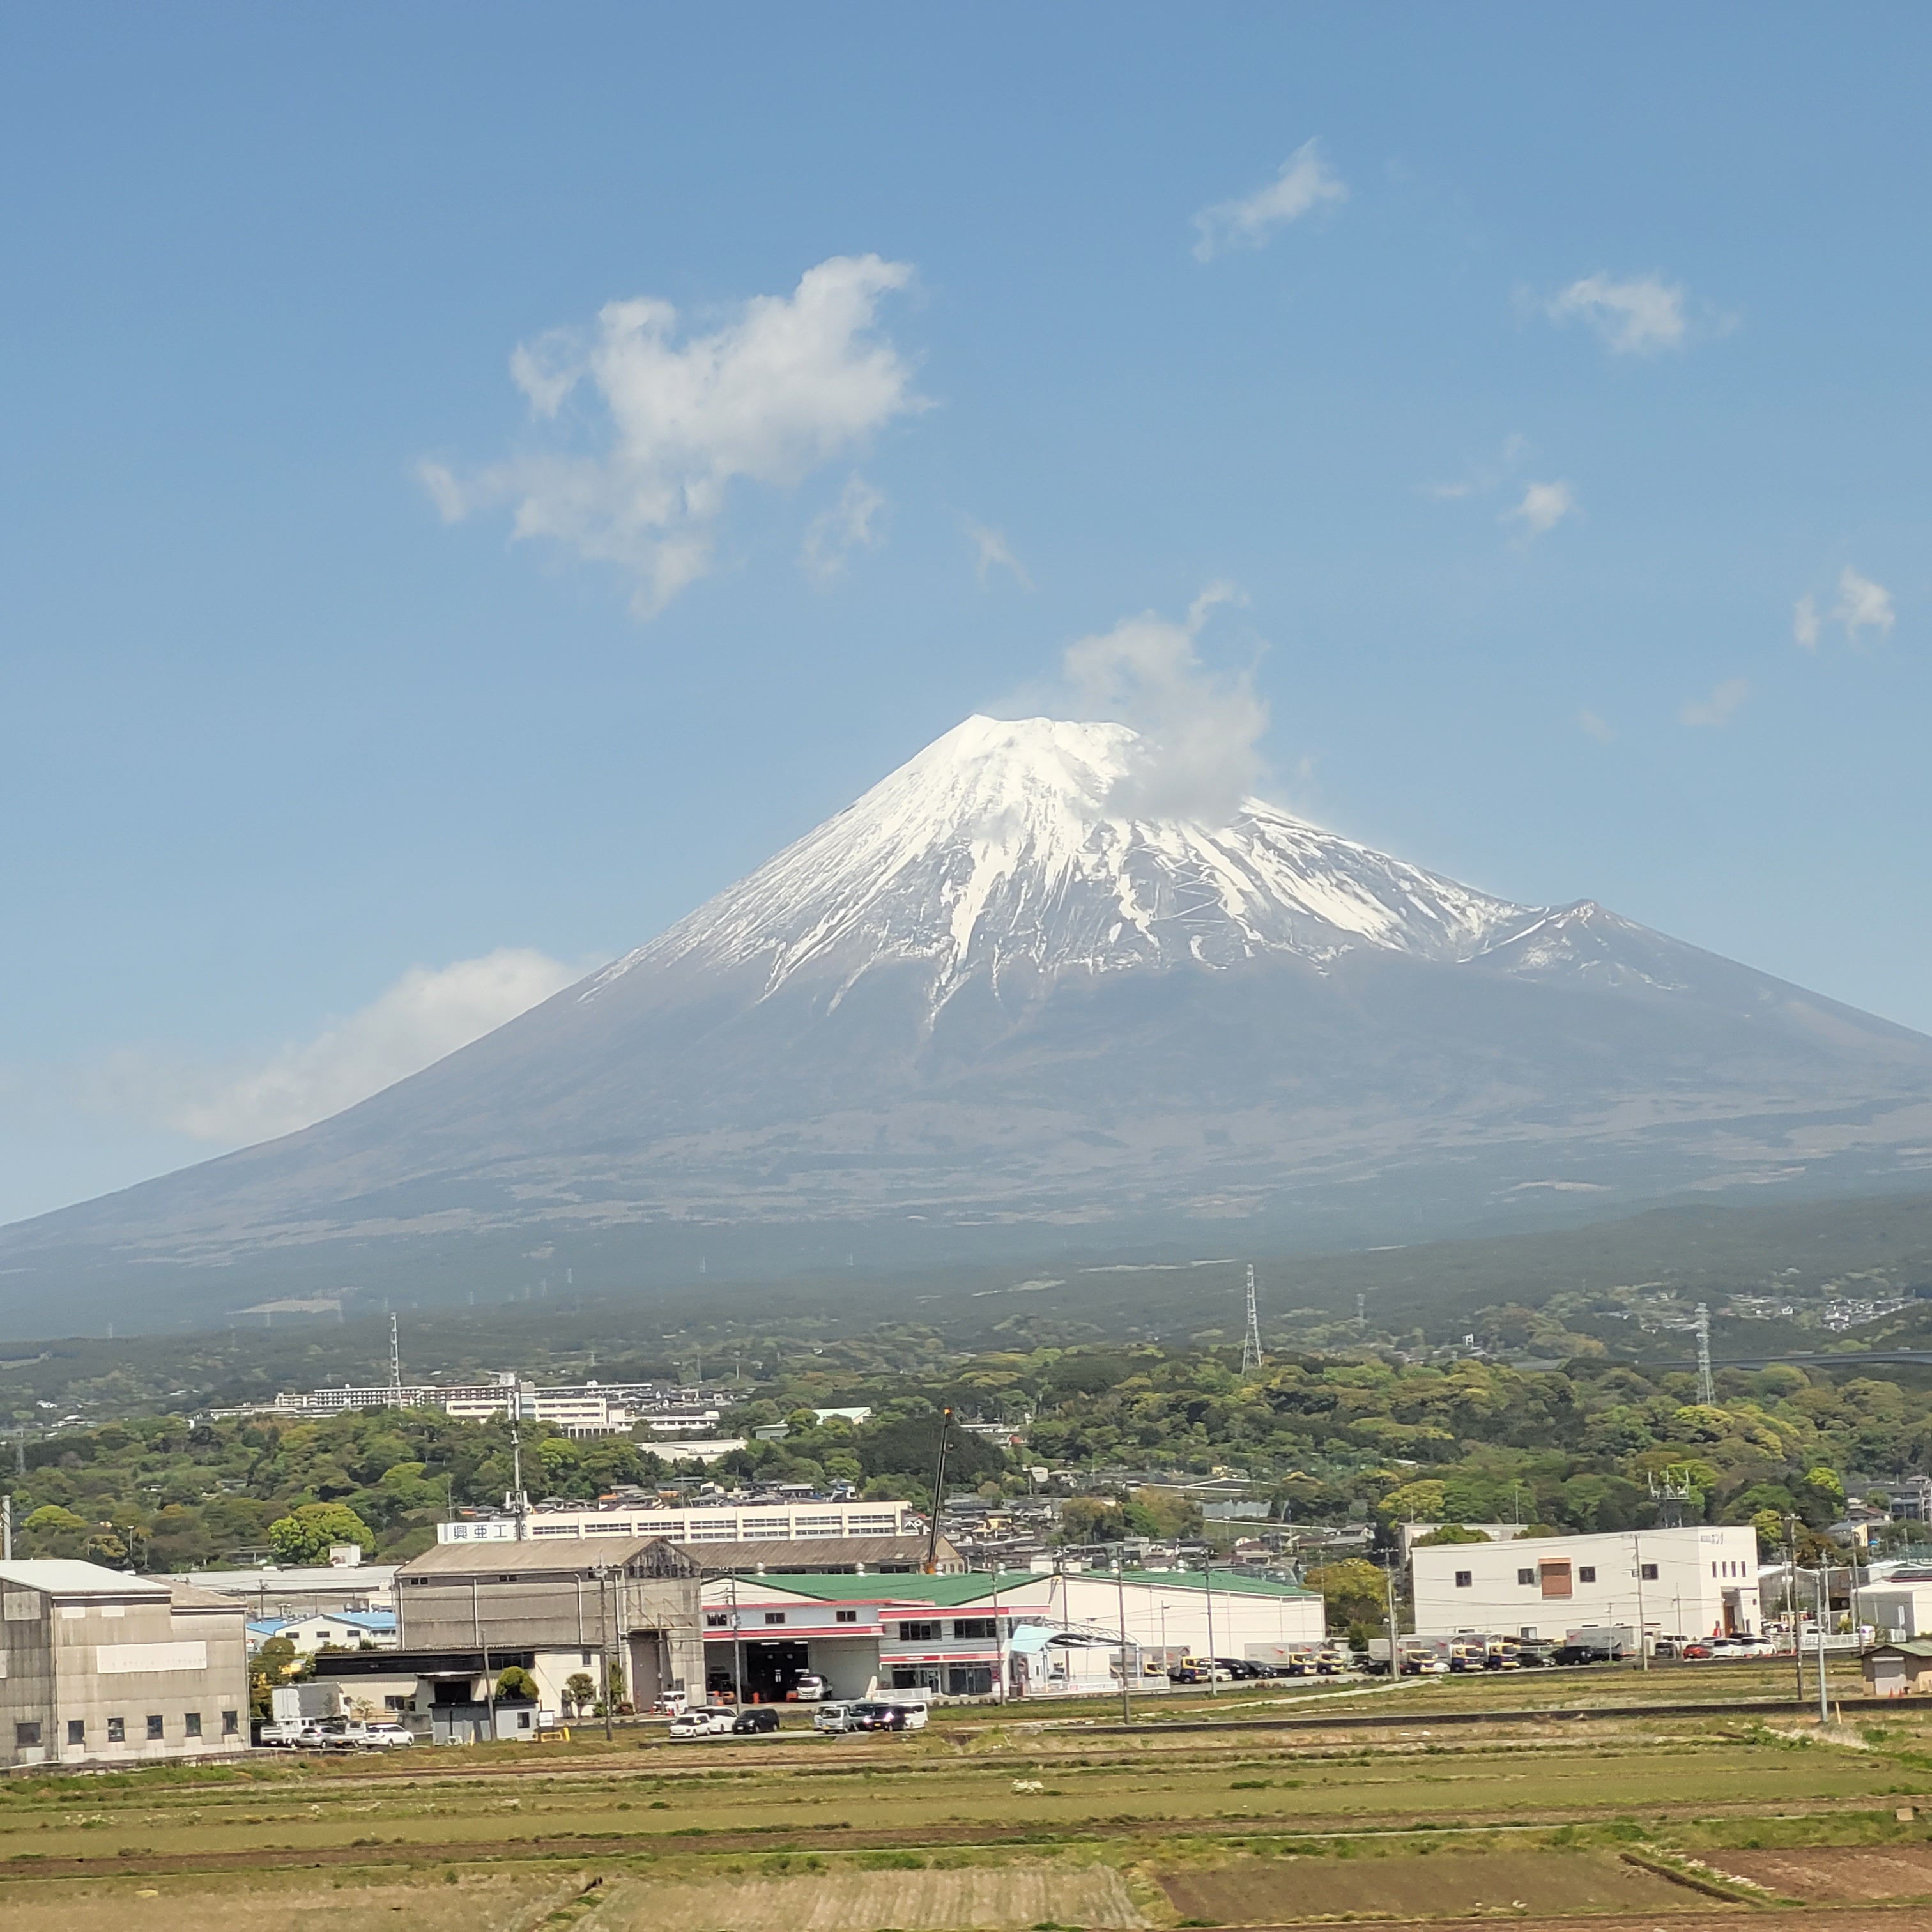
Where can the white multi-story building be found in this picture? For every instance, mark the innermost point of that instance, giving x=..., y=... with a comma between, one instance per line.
x=1698, y=1582
x=722, y=1522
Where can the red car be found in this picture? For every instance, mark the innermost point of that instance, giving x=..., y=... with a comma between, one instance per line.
x=1692, y=1651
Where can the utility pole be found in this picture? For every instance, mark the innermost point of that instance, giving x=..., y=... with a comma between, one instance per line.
x=1707, y=1387
x=1251, y=1336
x=1824, y=1610
x=1388, y=1591
x=1791, y=1601
x=7, y=1527
x=1642, y=1632
x=1208, y=1578
x=737, y=1649
x=609, y=1689
x=938, y=1491
x=519, y=1502
x=1120, y=1589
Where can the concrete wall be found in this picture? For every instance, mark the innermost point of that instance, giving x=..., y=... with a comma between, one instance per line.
x=1701, y=1574
x=172, y=1684
x=653, y=1626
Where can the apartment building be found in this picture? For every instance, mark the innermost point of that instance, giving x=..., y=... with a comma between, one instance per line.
x=724, y=1520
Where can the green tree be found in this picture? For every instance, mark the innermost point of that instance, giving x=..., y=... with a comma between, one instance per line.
x=580, y=1691
x=1353, y=1592
x=515, y=1684
x=1451, y=1532
x=305, y=1535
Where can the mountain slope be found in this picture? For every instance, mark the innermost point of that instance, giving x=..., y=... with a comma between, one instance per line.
x=1002, y=1000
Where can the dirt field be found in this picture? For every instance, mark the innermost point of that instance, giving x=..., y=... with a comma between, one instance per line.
x=992, y=1896
x=1834, y=1874
x=507, y=1903
x=1446, y=1885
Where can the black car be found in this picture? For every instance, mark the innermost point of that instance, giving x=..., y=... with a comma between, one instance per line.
x=1240, y=1669
x=878, y=1718
x=757, y=1717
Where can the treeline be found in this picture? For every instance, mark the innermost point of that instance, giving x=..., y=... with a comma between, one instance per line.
x=1328, y=1439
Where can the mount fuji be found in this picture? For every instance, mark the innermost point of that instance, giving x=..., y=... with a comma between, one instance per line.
x=1013, y=1001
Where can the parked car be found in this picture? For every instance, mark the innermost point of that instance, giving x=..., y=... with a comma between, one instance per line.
x=867, y=1716
x=1196, y=1671
x=329, y=1735
x=833, y=1718
x=705, y=1722
x=385, y=1736
x=755, y=1717
x=1740, y=1649
x=279, y=1737
x=1239, y=1669
x=1696, y=1652
x=810, y=1688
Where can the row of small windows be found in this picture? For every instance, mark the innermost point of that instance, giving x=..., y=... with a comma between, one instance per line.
x=26, y=1735
x=1586, y=1573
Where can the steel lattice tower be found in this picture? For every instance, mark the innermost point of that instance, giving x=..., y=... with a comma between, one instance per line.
x=1251, y=1338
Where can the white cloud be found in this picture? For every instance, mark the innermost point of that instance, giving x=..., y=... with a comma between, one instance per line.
x=792, y=383
x=1805, y=623
x=1720, y=706
x=428, y=1013
x=1862, y=605
x=995, y=553
x=1596, y=727
x=833, y=535
x=1634, y=317
x=1544, y=506
x=1201, y=729
x=1305, y=182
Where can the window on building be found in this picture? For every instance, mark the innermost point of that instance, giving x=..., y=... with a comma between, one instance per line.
x=969, y=1680
x=155, y=1727
x=845, y=1616
x=388, y=1704
x=964, y=1626
x=775, y=1616
x=231, y=1723
x=716, y=1620
x=191, y=1725
x=922, y=1632
x=1526, y=1576
x=1464, y=1578
x=1586, y=1573
x=26, y=1736
x=76, y=1730
x=1648, y=1571
x=117, y=1730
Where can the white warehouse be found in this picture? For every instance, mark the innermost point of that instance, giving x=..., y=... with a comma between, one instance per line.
x=1698, y=1582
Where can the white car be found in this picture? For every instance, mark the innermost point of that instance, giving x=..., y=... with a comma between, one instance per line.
x=385, y=1737
x=834, y=1717
x=705, y=1723
x=810, y=1689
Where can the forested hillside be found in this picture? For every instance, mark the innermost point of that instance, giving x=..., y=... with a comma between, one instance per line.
x=1327, y=1439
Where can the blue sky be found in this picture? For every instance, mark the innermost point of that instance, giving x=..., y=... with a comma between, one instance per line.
x=1522, y=370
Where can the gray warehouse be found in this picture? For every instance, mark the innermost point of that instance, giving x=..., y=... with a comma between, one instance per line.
x=99, y=1669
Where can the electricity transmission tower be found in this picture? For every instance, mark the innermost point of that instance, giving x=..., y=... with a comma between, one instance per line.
x=1251, y=1337
x=1707, y=1388
x=395, y=1358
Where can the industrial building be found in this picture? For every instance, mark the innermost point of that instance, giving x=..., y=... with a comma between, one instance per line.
x=1699, y=1581
x=100, y=1669
x=715, y=1519
x=1025, y=1633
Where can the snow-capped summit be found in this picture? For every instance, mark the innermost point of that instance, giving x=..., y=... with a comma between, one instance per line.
x=1001, y=1004
x=1016, y=846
